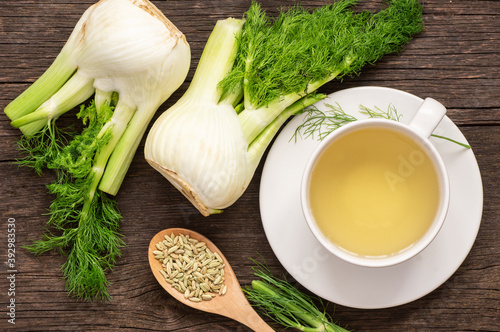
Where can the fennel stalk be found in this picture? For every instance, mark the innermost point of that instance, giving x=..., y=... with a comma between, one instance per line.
x=286, y=304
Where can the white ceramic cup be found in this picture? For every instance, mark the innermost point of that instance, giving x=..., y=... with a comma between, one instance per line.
x=419, y=130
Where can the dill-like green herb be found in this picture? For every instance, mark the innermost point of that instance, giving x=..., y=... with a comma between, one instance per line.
x=377, y=113
x=42, y=147
x=467, y=146
x=286, y=304
x=83, y=222
x=300, y=49
x=320, y=124
x=281, y=60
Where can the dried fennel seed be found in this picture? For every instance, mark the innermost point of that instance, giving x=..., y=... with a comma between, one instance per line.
x=191, y=268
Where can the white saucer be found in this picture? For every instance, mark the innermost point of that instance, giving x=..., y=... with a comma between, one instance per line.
x=340, y=282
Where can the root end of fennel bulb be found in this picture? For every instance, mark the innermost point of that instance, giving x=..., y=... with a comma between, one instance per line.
x=132, y=58
x=253, y=75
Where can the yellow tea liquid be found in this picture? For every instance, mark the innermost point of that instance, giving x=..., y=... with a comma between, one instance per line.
x=374, y=192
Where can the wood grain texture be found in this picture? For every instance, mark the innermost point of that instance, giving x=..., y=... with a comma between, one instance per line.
x=456, y=60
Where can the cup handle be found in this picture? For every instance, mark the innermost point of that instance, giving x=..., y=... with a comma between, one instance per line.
x=428, y=116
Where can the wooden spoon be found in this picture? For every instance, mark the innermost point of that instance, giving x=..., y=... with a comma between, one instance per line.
x=233, y=304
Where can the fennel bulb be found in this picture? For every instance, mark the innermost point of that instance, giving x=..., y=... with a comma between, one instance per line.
x=133, y=58
x=253, y=75
x=124, y=46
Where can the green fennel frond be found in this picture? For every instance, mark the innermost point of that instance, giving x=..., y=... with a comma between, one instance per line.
x=318, y=124
x=301, y=48
x=286, y=304
x=83, y=221
x=40, y=149
x=94, y=250
x=467, y=146
x=377, y=113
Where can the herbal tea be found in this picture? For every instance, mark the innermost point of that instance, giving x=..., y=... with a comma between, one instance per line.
x=374, y=192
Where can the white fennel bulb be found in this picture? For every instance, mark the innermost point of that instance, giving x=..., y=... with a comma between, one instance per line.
x=197, y=144
x=123, y=47
x=214, y=168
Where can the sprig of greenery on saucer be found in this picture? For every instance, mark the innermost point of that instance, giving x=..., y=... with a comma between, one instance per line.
x=318, y=124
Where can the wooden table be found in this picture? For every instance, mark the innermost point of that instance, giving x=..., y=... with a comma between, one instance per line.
x=456, y=61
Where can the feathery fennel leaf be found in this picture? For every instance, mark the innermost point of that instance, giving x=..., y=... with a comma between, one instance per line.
x=286, y=304
x=318, y=124
x=83, y=221
x=300, y=48
x=42, y=147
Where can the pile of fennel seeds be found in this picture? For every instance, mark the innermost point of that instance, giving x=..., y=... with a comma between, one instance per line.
x=191, y=268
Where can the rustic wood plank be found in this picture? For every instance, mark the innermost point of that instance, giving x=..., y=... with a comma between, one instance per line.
x=455, y=60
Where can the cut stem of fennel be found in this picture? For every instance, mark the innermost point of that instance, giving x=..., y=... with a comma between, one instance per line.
x=74, y=92
x=124, y=152
x=43, y=88
x=215, y=62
